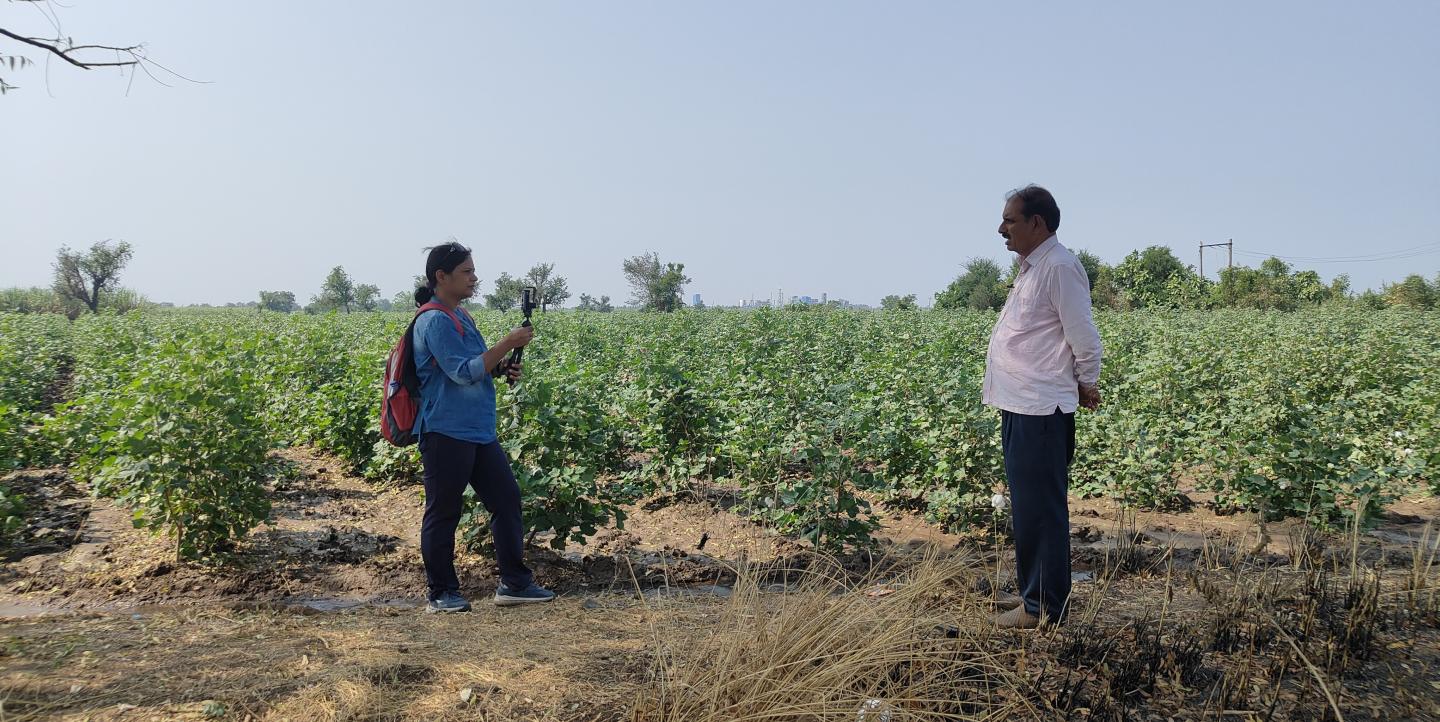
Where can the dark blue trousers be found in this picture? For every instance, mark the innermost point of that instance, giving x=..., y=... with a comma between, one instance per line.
x=1038, y=451
x=451, y=464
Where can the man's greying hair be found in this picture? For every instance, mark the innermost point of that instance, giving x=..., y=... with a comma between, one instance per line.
x=1033, y=200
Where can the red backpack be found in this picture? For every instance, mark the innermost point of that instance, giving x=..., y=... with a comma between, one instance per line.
x=400, y=402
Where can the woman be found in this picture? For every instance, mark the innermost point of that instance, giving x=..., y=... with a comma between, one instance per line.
x=456, y=428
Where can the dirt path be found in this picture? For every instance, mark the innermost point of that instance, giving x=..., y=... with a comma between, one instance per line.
x=318, y=617
x=334, y=541
x=337, y=541
x=560, y=661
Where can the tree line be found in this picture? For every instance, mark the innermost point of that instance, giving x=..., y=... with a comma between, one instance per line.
x=655, y=286
x=1156, y=278
x=89, y=280
x=1153, y=278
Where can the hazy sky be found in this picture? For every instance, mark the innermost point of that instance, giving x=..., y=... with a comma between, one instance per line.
x=857, y=149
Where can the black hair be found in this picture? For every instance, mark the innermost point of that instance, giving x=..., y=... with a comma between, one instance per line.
x=1036, y=200
x=444, y=257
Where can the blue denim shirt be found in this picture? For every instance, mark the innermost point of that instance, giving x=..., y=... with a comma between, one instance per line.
x=457, y=397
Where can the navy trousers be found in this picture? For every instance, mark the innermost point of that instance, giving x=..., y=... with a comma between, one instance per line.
x=451, y=464
x=1038, y=451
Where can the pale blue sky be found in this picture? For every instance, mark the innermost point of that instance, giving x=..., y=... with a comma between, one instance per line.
x=858, y=149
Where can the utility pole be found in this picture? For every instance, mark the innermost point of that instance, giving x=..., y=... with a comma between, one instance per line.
x=1230, y=245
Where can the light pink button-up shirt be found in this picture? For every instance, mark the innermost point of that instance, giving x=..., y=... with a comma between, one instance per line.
x=1045, y=341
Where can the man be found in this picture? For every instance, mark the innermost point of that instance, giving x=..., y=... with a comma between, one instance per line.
x=1043, y=362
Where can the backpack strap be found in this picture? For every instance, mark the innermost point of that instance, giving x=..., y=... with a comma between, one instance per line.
x=462, y=310
x=433, y=306
x=410, y=334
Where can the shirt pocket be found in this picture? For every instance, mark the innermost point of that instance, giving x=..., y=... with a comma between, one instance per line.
x=1022, y=310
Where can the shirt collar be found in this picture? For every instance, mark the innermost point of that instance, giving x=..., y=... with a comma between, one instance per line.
x=1045, y=247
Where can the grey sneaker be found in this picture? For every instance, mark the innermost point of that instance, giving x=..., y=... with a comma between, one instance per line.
x=507, y=597
x=447, y=602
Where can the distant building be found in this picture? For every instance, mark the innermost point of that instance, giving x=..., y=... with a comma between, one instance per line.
x=695, y=301
x=781, y=302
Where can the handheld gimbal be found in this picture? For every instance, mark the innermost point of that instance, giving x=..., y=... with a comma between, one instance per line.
x=528, y=303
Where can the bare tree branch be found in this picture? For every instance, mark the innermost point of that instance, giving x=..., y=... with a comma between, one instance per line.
x=73, y=48
x=146, y=61
x=63, y=54
x=63, y=47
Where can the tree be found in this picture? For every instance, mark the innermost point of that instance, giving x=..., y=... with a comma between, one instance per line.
x=1340, y=287
x=1309, y=289
x=406, y=299
x=1275, y=268
x=1275, y=286
x=551, y=289
x=367, y=297
x=85, y=57
x=1244, y=287
x=1092, y=265
x=898, y=303
x=338, y=292
x=1413, y=292
x=83, y=277
x=1186, y=290
x=655, y=287
x=588, y=303
x=979, y=287
x=555, y=294
x=1104, y=293
x=1370, y=300
x=507, y=293
x=281, y=301
x=1143, y=277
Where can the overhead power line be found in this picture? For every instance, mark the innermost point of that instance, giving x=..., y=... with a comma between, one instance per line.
x=1397, y=254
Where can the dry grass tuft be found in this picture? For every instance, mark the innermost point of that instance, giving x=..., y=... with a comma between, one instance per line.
x=833, y=648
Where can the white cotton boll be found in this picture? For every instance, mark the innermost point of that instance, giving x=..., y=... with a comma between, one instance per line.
x=999, y=502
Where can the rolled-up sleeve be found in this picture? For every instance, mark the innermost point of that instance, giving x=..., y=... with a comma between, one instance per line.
x=442, y=343
x=1070, y=292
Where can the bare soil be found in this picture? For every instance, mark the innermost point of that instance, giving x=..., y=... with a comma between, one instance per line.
x=319, y=615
